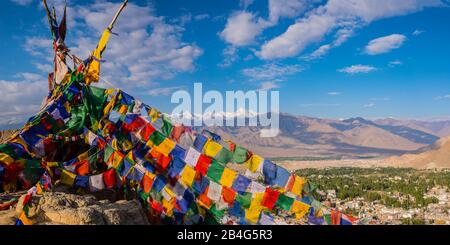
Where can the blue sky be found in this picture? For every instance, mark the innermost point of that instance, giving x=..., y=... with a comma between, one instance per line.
x=330, y=59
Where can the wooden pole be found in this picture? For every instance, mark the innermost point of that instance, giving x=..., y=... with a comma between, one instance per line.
x=111, y=25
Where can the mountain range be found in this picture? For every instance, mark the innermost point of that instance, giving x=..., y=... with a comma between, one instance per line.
x=302, y=136
x=306, y=137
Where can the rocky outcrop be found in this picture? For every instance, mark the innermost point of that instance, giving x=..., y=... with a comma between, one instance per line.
x=69, y=209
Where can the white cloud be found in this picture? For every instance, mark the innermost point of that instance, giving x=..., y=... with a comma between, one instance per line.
x=201, y=17
x=286, y=8
x=340, y=37
x=269, y=85
x=369, y=105
x=318, y=53
x=21, y=98
x=336, y=15
x=22, y=2
x=355, y=69
x=38, y=46
x=245, y=3
x=147, y=49
x=334, y=93
x=43, y=67
x=395, y=63
x=297, y=37
x=442, y=97
x=241, y=29
x=384, y=44
x=417, y=32
x=271, y=71
x=163, y=91
x=183, y=19
x=230, y=54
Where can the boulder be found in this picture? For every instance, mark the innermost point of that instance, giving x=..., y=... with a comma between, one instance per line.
x=69, y=209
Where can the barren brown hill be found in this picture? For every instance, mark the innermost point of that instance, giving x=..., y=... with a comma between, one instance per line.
x=305, y=136
x=437, y=156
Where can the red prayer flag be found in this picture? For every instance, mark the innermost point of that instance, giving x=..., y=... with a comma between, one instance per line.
x=335, y=217
x=157, y=206
x=177, y=131
x=147, y=183
x=109, y=177
x=203, y=163
x=147, y=131
x=137, y=123
x=161, y=160
x=82, y=168
x=270, y=198
x=228, y=195
x=290, y=183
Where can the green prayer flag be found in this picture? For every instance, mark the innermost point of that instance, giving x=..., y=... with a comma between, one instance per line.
x=284, y=202
x=156, y=137
x=327, y=218
x=218, y=214
x=244, y=199
x=240, y=154
x=94, y=99
x=224, y=156
x=92, y=159
x=215, y=171
x=77, y=119
x=108, y=152
x=166, y=126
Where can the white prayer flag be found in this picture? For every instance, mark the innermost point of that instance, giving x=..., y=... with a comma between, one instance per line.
x=96, y=183
x=192, y=157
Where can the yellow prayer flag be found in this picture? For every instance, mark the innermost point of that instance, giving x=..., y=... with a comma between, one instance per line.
x=52, y=164
x=257, y=199
x=117, y=159
x=150, y=174
x=168, y=206
x=67, y=106
x=83, y=156
x=188, y=175
x=6, y=158
x=166, y=146
x=252, y=214
x=299, y=209
x=25, y=220
x=212, y=148
x=169, y=192
x=228, y=177
x=253, y=163
x=67, y=178
x=114, y=144
x=93, y=71
x=39, y=188
x=123, y=110
x=298, y=185
x=109, y=106
x=110, y=91
x=130, y=155
x=154, y=114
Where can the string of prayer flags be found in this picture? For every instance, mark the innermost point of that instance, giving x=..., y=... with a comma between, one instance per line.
x=180, y=175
